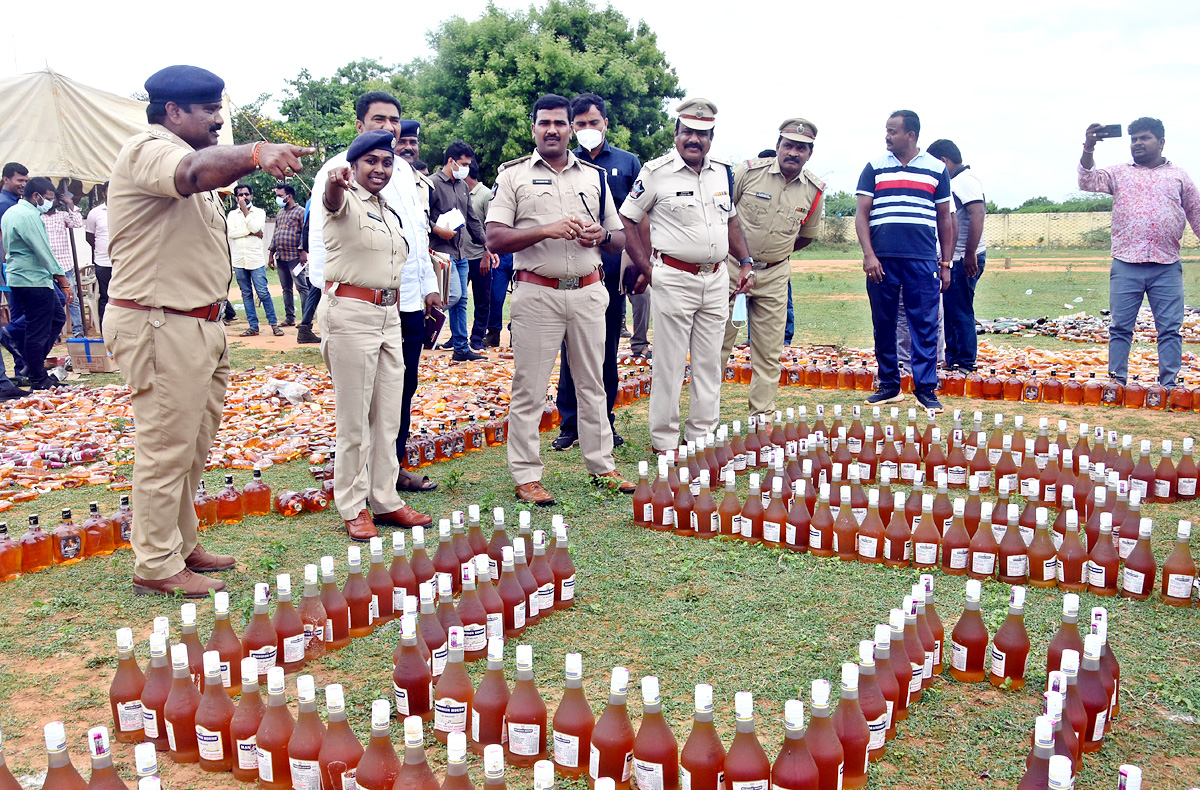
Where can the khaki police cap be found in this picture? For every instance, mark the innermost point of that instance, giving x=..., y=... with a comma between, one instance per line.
x=697, y=113
x=798, y=129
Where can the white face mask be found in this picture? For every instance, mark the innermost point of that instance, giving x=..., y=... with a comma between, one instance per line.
x=460, y=173
x=590, y=139
x=45, y=206
x=280, y=202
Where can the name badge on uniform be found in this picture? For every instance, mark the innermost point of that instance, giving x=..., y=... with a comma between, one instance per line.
x=542, y=181
x=684, y=194
x=615, y=171
x=372, y=216
x=762, y=195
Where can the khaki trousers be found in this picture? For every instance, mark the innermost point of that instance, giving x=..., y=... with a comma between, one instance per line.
x=690, y=312
x=361, y=346
x=541, y=318
x=766, y=309
x=177, y=369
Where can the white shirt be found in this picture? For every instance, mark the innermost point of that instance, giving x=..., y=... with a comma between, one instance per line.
x=417, y=279
x=97, y=225
x=245, y=248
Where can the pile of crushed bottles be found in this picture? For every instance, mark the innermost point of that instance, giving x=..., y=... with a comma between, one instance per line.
x=1083, y=327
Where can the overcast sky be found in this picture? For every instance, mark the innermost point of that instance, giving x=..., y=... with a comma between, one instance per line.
x=1013, y=83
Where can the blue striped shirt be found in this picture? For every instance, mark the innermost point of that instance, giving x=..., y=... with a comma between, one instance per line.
x=903, y=217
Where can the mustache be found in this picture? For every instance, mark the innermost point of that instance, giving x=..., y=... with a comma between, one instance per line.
x=691, y=145
x=215, y=127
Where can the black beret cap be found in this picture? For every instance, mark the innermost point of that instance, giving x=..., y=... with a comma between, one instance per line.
x=410, y=128
x=370, y=141
x=185, y=85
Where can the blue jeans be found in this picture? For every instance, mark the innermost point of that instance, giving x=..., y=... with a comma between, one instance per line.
x=311, y=300
x=75, y=311
x=958, y=303
x=1162, y=284
x=481, y=296
x=253, y=281
x=458, y=305
x=922, y=294
x=502, y=275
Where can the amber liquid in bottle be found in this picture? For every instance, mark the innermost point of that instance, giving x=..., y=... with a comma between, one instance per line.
x=525, y=716
x=340, y=753
x=1010, y=646
x=1095, y=697
x=820, y=528
x=845, y=530
x=289, y=627
x=412, y=678
x=213, y=718
x=706, y=522
x=573, y=723
x=247, y=717
x=358, y=595
x=125, y=692
x=404, y=581
x=926, y=537
x=98, y=534
x=902, y=666
x=885, y=678
x=60, y=773
x=383, y=598
x=474, y=616
x=490, y=701
x=853, y=731
x=415, y=773
x=68, y=541
x=304, y=747
x=259, y=640
x=205, y=505
x=1067, y=637
x=1043, y=556
x=746, y=764
x=655, y=750
x=179, y=713
x=1104, y=564
x=445, y=558
x=454, y=693
x=871, y=702
x=256, y=496
x=613, y=736
x=312, y=616
x=827, y=749
x=1072, y=557
x=969, y=641
x=983, y=549
x=702, y=760
x=380, y=765
x=643, y=510
x=563, y=567
x=337, y=611
x=274, y=732
x=1138, y=576
x=154, y=693
x=752, y=512
x=229, y=503
x=1179, y=570
x=422, y=566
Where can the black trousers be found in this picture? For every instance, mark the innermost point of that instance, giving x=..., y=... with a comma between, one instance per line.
x=568, y=406
x=481, y=297
x=103, y=275
x=44, y=319
x=412, y=329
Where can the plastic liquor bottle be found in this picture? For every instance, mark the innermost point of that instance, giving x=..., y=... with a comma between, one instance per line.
x=662, y=502
x=274, y=733
x=340, y=752
x=525, y=716
x=969, y=640
x=1071, y=561
x=683, y=505
x=927, y=538
x=188, y=637
x=446, y=612
x=525, y=577
x=226, y=643
x=304, y=747
x=729, y=512
x=573, y=723
x=379, y=766
x=983, y=551
x=10, y=555
x=929, y=643
x=752, y=512
x=456, y=763
x=493, y=604
x=1137, y=580
x=1186, y=473
x=475, y=539
x=1074, y=714
x=563, y=566
x=1042, y=554
x=871, y=532
x=1067, y=637
x=1093, y=694
x=885, y=677
x=1104, y=564
x=702, y=759
x=229, y=503
x=920, y=656
x=60, y=773
x=655, y=750
x=827, y=749
x=897, y=541
x=68, y=541
x=458, y=539
x=1066, y=742
x=337, y=611
x=415, y=773
x=412, y=678
x=213, y=718
x=383, y=599
x=445, y=558
x=404, y=581
x=1129, y=777
x=543, y=575
x=957, y=540
x=104, y=775
x=513, y=595
x=1037, y=770
x=98, y=533
x=472, y=616
x=154, y=693
x=259, y=640
x=358, y=595
x=179, y=713
x=871, y=701
x=422, y=566
x=1109, y=667
x=937, y=629
x=289, y=628
x=244, y=725
x=852, y=730
x=125, y=692
x=746, y=764
x=1179, y=570
x=820, y=528
x=490, y=701
x=612, y=738
x=1010, y=645
x=313, y=619
x=794, y=768
x=454, y=693
x=256, y=496
x=205, y=505
x=902, y=666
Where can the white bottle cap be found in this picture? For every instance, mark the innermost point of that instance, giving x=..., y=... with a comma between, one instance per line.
x=524, y=518
x=823, y=492
x=335, y=697
x=398, y=542
x=187, y=614
x=1041, y=514
x=1043, y=731
x=1072, y=519
x=845, y=491
x=704, y=698
x=1056, y=681
x=793, y=714
x=650, y=690
x=918, y=594
x=1060, y=771
x=1145, y=528
x=306, y=688
x=620, y=680
x=145, y=758
x=179, y=656
x=445, y=584
x=249, y=670
x=467, y=573
x=896, y=619
x=496, y=649
x=849, y=676
x=262, y=593
x=56, y=736
x=327, y=566
x=426, y=591
x=1070, y=605
x=97, y=740
x=456, y=518
x=1019, y=422
x=574, y=665
x=454, y=637
x=418, y=536
x=973, y=589
x=1185, y=529
x=1054, y=705
x=498, y=515
x=1187, y=445
x=1070, y=661
x=283, y=584
x=643, y=468
x=482, y=567
x=910, y=609
x=960, y=507
x=408, y=626
x=506, y=554
x=162, y=625
x=411, y=602
x=1017, y=598
x=150, y=782
x=125, y=637
x=684, y=477
x=443, y=528
x=354, y=555
x=777, y=486
x=866, y=652
x=1135, y=497
x=543, y=776
x=413, y=735
x=560, y=530
x=212, y=662
x=493, y=760
x=1092, y=645
x=275, y=680
x=1129, y=777
x=381, y=714
x=376, y=546
x=743, y=703
x=606, y=783
x=820, y=693
x=883, y=636
x=985, y=510
x=1106, y=520
x=456, y=747
x=473, y=512
x=754, y=480
x=524, y=656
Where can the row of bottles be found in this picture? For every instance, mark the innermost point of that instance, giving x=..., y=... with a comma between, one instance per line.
x=230, y=505
x=68, y=543
x=433, y=444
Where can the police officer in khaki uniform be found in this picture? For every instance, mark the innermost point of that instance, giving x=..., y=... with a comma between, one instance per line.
x=554, y=213
x=779, y=205
x=361, y=339
x=171, y=275
x=680, y=225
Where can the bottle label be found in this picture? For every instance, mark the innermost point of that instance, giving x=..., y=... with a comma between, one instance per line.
x=449, y=715
x=764, y=495
x=968, y=451
x=814, y=537
x=747, y=527
x=751, y=459
x=265, y=656
x=998, y=661
x=1162, y=489
x=1056, y=539
x=1187, y=486
x=1041, y=459
x=493, y=569
x=771, y=532
x=130, y=717
x=306, y=774
x=150, y=722
x=984, y=477
x=694, y=487
x=937, y=652
x=859, y=514
x=265, y=771
x=758, y=784
x=1178, y=586
x=475, y=726
x=1133, y=582
x=566, y=749
x=1016, y=565
x=210, y=744
x=958, y=558
x=938, y=470
x=519, y=615
x=714, y=523
x=648, y=776
x=372, y=612
x=495, y=626
x=1098, y=730
x=568, y=588
x=739, y=462
x=994, y=454
x=914, y=685
x=983, y=562
x=789, y=532
x=927, y=667
x=956, y=475
x=1012, y=481
x=1051, y=569
x=867, y=547
x=401, y=700
x=531, y=606
x=890, y=705
x=998, y=530
x=1125, y=547
x=854, y=445
x=835, y=540
x=1095, y=574
x=878, y=729
x=1050, y=493
x=958, y=656
x=70, y=546
x=1026, y=535
x=437, y=661
x=668, y=516
x=890, y=467
x=648, y=512
x=1139, y=486
x=170, y=734
x=524, y=739
x=349, y=780
x=293, y=648
x=475, y=636
x=908, y=472
x=927, y=553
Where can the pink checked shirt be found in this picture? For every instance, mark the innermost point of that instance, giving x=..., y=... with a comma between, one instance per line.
x=1150, y=206
x=57, y=224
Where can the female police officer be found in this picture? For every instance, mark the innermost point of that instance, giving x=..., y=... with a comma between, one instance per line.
x=360, y=335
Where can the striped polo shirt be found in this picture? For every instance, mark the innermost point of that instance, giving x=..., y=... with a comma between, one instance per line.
x=904, y=210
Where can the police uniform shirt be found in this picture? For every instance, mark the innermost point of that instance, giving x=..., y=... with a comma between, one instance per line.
x=621, y=168
x=773, y=211
x=529, y=193
x=689, y=211
x=167, y=249
x=364, y=245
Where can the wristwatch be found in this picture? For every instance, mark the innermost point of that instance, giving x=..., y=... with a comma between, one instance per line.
x=607, y=238
x=744, y=261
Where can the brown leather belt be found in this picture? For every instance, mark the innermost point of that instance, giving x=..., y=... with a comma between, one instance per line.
x=385, y=297
x=210, y=313
x=690, y=268
x=762, y=267
x=565, y=284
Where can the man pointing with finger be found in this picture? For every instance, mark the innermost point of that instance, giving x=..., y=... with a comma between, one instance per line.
x=171, y=275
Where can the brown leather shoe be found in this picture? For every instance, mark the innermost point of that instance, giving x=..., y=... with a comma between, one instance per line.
x=200, y=561
x=404, y=518
x=361, y=528
x=533, y=492
x=614, y=482
x=185, y=583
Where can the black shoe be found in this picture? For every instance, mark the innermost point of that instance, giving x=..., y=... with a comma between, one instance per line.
x=617, y=439
x=564, y=441
x=447, y=346
x=19, y=380
x=12, y=393
x=625, y=331
x=492, y=339
x=929, y=401
x=466, y=356
x=304, y=334
x=885, y=396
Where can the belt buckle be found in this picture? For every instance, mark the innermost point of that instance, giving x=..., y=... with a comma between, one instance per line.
x=214, y=312
x=388, y=297
x=706, y=268
x=758, y=266
x=568, y=283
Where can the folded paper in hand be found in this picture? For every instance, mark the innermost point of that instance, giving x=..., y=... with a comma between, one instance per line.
x=451, y=220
